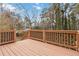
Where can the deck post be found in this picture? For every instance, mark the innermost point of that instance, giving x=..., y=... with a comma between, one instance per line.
x=77, y=40
x=44, y=36
x=28, y=34
x=0, y=36
x=14, y=35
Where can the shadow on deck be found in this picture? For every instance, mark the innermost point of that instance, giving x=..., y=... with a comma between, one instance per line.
x=31, y=47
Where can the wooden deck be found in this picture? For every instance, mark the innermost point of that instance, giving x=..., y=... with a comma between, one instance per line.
x=31, y=47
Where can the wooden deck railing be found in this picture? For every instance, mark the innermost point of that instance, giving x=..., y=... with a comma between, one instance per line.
x=22, y=34
x=66, y=38
x=36, y=34
x=7, y=36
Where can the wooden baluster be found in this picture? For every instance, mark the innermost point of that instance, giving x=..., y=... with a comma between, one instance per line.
x=77, y=41
x=52, y=36
x=0, y=37
x=7, y=36
x=10, y=36
x=70, y=40
x=59, y=39
x=56, y=37
x=74, y=37
x=44, y=36
x=64, y=38
x=14, y=35
x=3, y=37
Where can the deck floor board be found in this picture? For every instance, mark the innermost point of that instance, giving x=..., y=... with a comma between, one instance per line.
x=29, y=47
x=4, y=51
x=1, y=54
x=9, y=51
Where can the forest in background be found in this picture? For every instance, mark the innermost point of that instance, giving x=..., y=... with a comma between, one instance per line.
x=58, y=16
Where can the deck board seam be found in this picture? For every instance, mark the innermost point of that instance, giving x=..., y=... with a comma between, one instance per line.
x=29, y=50
x=6, y=50
x=33, y=50
x=22, y=50
x=20, y=53
x=2, y=51
x=11, y=48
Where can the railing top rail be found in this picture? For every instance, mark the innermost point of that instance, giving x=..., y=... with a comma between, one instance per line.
x=7, y=30
x=37, y=30
x=58, y=31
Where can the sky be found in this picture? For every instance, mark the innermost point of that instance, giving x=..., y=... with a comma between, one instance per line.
x=29, y=9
